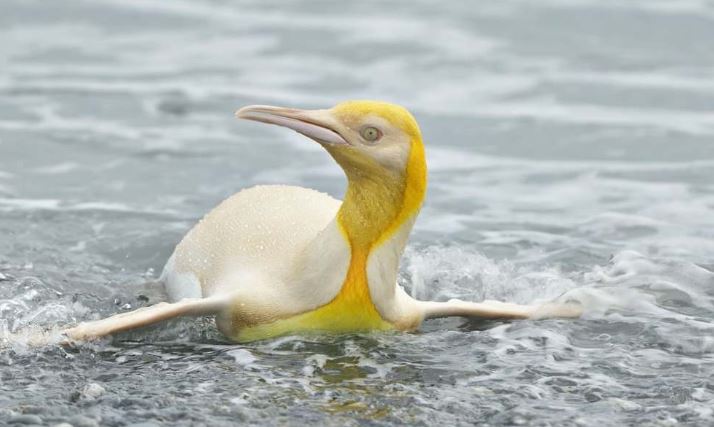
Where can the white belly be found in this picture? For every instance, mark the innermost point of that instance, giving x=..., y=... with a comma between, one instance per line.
x=251, y=239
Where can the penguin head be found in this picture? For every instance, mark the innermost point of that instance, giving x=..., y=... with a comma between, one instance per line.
x=369, y=139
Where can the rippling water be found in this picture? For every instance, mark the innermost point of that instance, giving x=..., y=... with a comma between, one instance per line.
x=570, y=151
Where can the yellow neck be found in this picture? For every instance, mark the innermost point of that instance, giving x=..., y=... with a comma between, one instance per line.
x=376, y=205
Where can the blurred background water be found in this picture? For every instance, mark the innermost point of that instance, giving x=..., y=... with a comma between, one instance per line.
x=570, y=146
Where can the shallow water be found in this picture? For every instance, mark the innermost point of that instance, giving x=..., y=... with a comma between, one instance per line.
x=570, y=152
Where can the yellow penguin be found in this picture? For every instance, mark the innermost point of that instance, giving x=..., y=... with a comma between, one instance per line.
x=274, y=260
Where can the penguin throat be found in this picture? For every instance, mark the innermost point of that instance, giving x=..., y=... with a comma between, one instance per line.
x=375, y=207
x=378, y=201
x=370, y=209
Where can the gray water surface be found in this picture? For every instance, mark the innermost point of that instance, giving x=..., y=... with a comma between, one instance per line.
x=571, y=151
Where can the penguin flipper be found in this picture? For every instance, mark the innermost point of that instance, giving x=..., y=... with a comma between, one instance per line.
x=145, y=316
x=490, y=309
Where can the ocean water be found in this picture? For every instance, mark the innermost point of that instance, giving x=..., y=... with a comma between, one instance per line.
x=570, y=148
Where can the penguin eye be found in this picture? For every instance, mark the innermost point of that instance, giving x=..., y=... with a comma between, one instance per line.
x=371, y=134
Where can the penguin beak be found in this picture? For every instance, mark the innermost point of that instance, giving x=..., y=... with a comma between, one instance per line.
x=319, y=125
